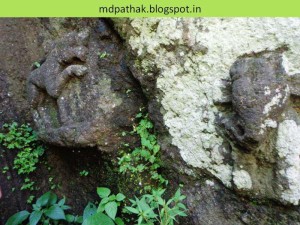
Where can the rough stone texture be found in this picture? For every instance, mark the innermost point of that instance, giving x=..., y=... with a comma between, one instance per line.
x=189, y=62
x=80, y=98
x=183, y=67
x=259, y=97
x=260, y=101
x=242, y=180
x=20, y=46
x=23, y=42
x=212, y=204
x=288, y=148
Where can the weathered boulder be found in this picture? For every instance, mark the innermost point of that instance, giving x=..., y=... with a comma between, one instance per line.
x=238, y=158
x=20, y=42
x=259, y=96
x=226, y=101
x=24, y=43
x=263, y=107
x=19, y=47
x=83, y=93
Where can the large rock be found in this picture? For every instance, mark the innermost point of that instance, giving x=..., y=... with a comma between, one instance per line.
x=226, y=99
x=259, y=96
x=24, y=42
x=238, y=158
x=265, y=123
x=83, y=94
x=20, y=46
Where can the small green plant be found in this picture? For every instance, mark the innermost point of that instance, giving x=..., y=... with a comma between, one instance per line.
x=52, y=184
x=27, y=158
x=152, y=209
x=37, y=64
x=83, y=173
x=5, y=169
x=47, y=210
x=149, y=209
x=24, y=139
x=17, y=137
x=106, y=211
x=30, y=199
x=102, y=55
x=128, y=91
x=28, y=184
x=143, y=163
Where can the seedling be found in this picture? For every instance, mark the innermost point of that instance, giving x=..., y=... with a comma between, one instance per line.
x=83, y=173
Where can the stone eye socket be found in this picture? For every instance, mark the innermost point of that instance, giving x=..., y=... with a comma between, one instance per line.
x=240, y=130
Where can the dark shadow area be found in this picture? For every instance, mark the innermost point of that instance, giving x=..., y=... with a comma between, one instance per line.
x=60, y=169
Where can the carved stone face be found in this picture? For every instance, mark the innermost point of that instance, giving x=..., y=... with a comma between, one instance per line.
x=260, y=94
x=83, y=94
x=266, y=123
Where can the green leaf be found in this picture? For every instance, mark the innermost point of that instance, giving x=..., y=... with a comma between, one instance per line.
x=177, y=194
x=65, y=207
x=98, y=219
x=182, y=197
x=70, y=218
x=62, y=202
x=44, y=199
x=111, y=209
x=112, y=198
x=11, y=146
x=101, y=206
x=160, y=201
x=55, y=213
x=37, y=64
x=103, y=192
x=17, y=218
x=120, y=197
x=143, y=205
x=139, y=115
x=78, y=219
x=35, y=217
x=89, y=210
x=132, y=210
x=52, y=198
x=181, y=213
x=140, y=167
x=182, y=206
x=104, y=200
x=119, y=221
x=35, y=207
x=156, y=149
x=140, y=220
x=46, y=222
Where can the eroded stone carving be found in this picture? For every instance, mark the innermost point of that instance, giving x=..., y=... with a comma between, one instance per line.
x=191, y=85
x=259, y=97
x=65, y=61
x=265, y=122
x=82, y=99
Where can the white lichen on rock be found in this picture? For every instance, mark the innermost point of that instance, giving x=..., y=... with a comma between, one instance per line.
x=242, y=180
x=277, y=100
x=268, y=123
x=267, y=90
x=288, y=147
x=209, y=183
x=193, y=57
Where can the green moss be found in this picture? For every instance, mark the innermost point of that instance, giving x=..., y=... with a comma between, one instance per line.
x=54, y=117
